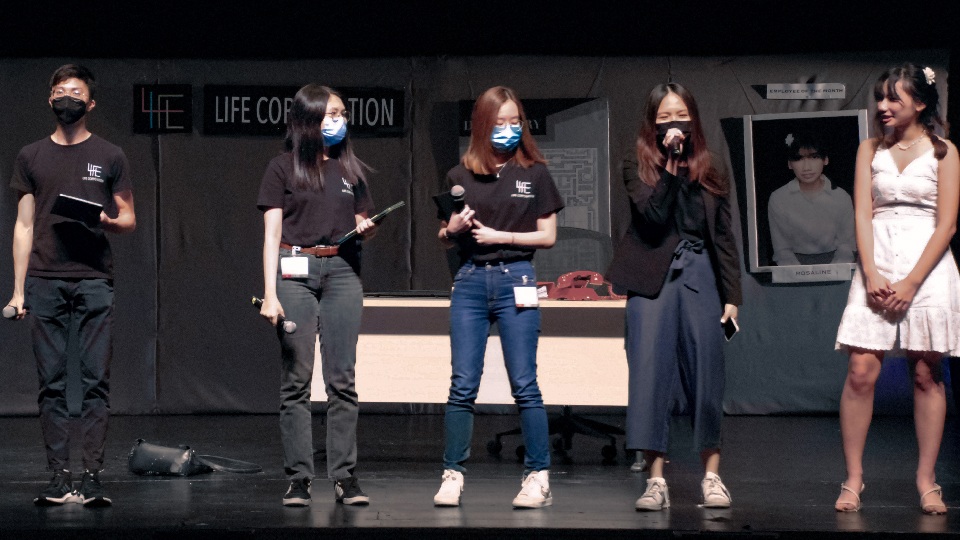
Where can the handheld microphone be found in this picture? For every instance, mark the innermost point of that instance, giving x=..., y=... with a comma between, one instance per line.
x=457, y=192
x=10, y=312
x=288, y=326
x=674, y=147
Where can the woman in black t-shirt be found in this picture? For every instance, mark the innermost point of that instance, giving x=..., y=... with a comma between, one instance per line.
x=510, y=211
x=679, y=262
x=311, y=196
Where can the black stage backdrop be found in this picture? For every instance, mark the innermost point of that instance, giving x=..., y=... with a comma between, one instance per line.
x=186, y=338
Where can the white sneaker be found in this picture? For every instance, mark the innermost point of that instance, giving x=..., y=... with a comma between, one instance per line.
x=450, y=490
x=656, y=497
x=715, y=494
x=535, y=491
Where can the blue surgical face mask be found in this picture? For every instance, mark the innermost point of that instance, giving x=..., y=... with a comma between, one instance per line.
x=506, y=138
x=333, y=131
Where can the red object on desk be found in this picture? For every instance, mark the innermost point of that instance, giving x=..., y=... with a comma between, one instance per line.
x=575, y=286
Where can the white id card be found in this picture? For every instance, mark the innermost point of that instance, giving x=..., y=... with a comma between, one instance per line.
x=526, y=296
x=294, y=267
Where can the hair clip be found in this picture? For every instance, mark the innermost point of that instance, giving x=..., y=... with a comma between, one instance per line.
x=789, y=139
x=929, y=74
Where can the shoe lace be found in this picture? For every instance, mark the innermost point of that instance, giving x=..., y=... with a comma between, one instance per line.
x=449, y=475
x=713, y=486
x=531, y=485
x=654, y=491
x=349, y=484
x=450, y=484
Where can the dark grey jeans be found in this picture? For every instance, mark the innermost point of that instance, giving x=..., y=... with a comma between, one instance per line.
x=54, y=304
x=328, y=302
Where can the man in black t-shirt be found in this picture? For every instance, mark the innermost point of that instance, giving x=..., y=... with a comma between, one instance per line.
x=64, y=269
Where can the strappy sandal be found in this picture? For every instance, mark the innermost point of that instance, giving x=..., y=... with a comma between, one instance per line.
x=843, y=487
x=929, y=508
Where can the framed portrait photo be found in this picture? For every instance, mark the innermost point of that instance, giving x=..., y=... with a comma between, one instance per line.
x=799, y=172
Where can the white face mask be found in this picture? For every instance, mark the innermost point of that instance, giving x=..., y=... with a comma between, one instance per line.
x=333, y=130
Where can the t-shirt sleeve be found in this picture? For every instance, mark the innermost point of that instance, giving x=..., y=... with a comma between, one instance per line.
x=362, y=200
x=120, y=174
x=271, y=188
x=21, y=179
x=549, y=199
x=443, y=213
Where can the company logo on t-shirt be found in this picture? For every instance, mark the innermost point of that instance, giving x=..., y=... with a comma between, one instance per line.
x=523, y=190
x=94, y=172
x=348, y=189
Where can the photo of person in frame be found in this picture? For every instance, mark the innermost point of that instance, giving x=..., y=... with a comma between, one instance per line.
x=799, y=188
x=811, y=220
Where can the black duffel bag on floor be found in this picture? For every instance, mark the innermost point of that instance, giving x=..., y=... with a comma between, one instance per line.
x=153, y=459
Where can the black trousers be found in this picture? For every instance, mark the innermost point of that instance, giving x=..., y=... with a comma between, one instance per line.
x=54, y=305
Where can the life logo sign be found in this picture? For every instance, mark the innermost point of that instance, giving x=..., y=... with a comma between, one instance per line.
x=523, y=190
x=265, y=110
x=162, y=108
x=94, y=173
x=347, y=188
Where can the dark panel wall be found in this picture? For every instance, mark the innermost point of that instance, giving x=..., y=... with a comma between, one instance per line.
x=222, y=356
x=187, y=339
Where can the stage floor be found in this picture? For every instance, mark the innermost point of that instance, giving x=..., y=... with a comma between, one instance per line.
x=783, y=473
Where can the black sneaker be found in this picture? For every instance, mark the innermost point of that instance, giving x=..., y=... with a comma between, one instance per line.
x=348, y=491
x=58, y=491
x=91, y=490
x=298, y=494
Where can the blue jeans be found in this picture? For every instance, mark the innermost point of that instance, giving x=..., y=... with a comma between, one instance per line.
x=482, y=295
x=328, y=302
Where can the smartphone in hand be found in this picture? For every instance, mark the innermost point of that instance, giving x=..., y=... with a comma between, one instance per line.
x=730, y=328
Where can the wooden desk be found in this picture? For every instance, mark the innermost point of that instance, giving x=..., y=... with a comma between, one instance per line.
x=403, y=355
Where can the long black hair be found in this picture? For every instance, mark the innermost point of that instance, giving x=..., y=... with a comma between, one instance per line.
x=305, y=140
x=913, y=80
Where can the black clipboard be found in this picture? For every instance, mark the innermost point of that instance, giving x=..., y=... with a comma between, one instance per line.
x=87, y=212
x=374, y=219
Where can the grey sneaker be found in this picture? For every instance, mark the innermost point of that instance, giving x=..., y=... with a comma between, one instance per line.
x=58, y=491
x=298, y=494
x=656, y=497
x=715, y=494
x=91, y=490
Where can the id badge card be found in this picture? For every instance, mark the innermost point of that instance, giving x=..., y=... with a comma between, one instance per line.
x=294, y=267
x=526, y=296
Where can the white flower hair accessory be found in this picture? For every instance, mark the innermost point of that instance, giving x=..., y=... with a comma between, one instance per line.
x=929, y=74
x=789, y=139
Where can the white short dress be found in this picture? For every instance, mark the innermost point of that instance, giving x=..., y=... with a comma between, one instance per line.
x=904, y=218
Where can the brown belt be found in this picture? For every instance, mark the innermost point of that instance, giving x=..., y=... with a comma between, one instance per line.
x=316, y=251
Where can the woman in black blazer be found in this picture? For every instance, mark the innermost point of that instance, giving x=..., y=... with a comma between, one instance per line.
x=680, y=264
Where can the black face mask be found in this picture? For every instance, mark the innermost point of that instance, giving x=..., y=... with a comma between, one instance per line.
x=683, y=126
x=69, y=109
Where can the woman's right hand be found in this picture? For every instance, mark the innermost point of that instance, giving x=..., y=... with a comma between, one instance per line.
x=460, y=222
x=673, y=160
x=878, y=289
x=271, y=309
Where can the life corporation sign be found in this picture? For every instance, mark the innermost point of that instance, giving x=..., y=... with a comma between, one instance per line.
x=264, y=110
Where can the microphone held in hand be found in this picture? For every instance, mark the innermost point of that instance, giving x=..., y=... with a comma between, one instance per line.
x=674, y=147
x=10, y=312
x=457, y=192
x=288, y=326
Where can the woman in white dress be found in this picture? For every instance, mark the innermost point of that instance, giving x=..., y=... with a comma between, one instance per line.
x=906, y=293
